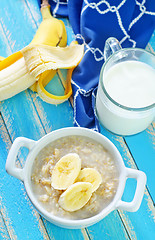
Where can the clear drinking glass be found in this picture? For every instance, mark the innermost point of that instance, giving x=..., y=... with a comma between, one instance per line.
x=115, y=117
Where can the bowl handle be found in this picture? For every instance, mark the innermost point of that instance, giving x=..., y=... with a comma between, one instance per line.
x=134, y=205
x=10, y=166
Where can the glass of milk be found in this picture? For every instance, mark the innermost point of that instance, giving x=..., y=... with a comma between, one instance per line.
x=125, y=101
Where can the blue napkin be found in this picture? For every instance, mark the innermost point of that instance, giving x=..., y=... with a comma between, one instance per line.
x=132, y=22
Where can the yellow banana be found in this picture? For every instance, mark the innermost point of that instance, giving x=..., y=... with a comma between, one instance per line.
x=66, y=171
x=90, y=175
x=76, y=196
x=51, y=30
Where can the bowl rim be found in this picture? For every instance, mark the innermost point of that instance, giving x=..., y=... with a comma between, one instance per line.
x=54, y=135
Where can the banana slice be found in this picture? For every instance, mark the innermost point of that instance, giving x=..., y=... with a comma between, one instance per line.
x=90, y=175
x=76, y=196
x=66, y=171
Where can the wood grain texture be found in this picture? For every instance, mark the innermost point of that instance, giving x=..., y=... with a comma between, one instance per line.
x=151, y=45
x=3, y=229
x=146, y=214
x=142, y=148
x=16, y=209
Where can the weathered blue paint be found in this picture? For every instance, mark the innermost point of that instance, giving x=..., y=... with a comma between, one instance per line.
x=16, y=209
x=3, y=229
x=146, y=214
x=142, y=147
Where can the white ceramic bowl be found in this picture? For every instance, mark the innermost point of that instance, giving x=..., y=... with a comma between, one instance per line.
x=124, y=173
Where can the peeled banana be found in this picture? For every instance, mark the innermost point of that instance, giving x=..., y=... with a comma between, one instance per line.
x=90, y=175
x=14, y=79
x=66, y=171
x=78, y=184
x=34, y=65
x=76, y=196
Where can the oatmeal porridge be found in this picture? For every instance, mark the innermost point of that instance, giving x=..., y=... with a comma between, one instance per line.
x=90, y=158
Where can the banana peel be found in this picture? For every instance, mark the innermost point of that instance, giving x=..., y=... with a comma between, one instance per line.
x=44, y=60
x=40, y=58
x=49, y=97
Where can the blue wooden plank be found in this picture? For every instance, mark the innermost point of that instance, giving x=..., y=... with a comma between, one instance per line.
x=142, y=147
x=3, y=229
x=109, y=228
x=4, y=49
x=17, y=112
x=15, y=205
x=151, y=44
x=65, y=234
x=53, y=117
x=11, y=18
x=146, y=214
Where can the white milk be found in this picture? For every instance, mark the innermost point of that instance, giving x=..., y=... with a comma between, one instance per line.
x=131, y=84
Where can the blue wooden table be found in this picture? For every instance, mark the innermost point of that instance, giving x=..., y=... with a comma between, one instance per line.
x=27, y=115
